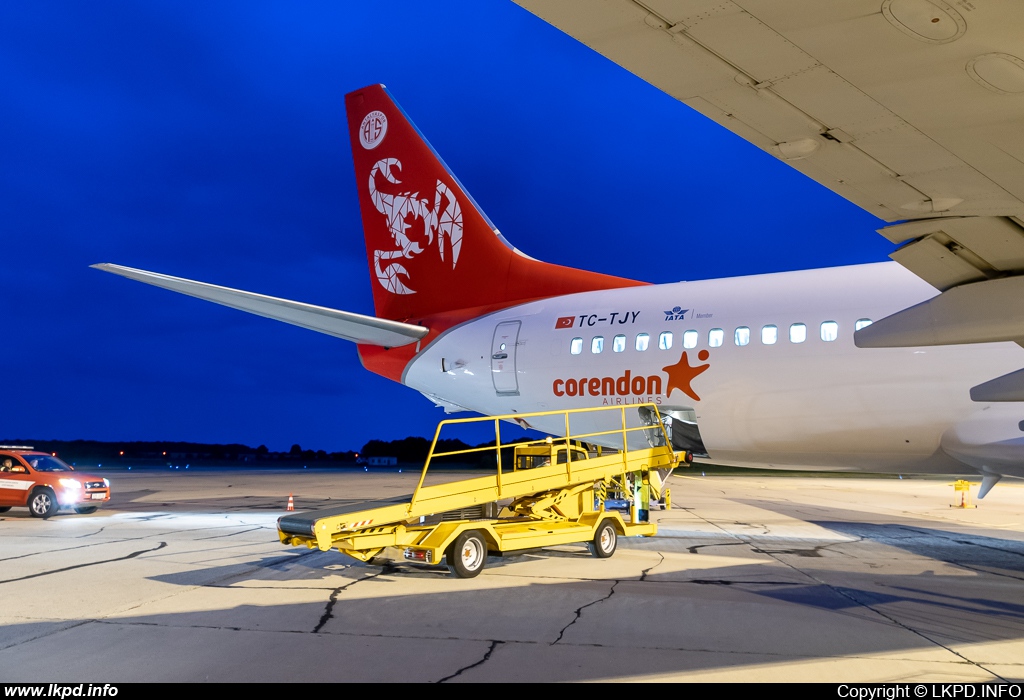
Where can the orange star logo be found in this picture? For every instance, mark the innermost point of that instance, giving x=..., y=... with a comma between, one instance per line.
x=681, y=374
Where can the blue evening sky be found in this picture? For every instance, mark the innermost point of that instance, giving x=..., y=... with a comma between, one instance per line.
x=207, y=140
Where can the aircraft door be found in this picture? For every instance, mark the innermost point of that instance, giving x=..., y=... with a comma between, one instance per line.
x=503, y=358
x=681, y=426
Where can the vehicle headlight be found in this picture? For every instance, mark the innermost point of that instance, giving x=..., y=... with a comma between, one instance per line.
x=106, y=482
x=70, y=484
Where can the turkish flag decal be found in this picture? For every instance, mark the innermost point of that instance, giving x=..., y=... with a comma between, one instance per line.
x=565, y=322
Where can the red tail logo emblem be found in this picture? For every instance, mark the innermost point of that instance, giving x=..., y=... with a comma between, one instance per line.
x=402, y=210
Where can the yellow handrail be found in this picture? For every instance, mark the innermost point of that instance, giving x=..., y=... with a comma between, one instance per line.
x=624, y=430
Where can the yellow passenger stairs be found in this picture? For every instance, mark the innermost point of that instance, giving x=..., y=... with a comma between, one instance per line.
x=558, y=491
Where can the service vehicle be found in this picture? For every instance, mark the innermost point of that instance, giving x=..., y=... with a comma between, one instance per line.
x=45, y=484
x=559, y=491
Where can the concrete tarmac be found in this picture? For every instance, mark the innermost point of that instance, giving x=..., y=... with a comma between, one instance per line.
x=182, y=578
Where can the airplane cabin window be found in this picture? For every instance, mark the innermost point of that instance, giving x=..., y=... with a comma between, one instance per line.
x=741, y=336
x=797, y=333
x=690, y=339
x=829, y=331
x=716, y=337
x=576, y=346
x=769, y=335
x=665, y=340
x=642, y=341
x=597, y=344
x=861, y=323
x=618, y=343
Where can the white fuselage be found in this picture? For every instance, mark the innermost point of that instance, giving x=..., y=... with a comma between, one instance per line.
x=815, y=404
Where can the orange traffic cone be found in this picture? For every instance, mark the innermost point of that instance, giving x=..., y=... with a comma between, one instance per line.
x=291, y=502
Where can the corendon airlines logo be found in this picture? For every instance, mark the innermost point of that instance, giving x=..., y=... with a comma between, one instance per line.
x=636, y=388
x=402, y=212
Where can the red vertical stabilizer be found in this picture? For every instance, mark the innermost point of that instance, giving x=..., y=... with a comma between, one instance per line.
x=430, y=249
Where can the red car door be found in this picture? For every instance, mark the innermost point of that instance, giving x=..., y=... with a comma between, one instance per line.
x=15, y=481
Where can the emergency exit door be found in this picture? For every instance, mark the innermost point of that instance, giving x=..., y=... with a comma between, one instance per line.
x=503, y=358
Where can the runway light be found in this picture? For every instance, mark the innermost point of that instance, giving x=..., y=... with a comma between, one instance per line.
x=122, y=453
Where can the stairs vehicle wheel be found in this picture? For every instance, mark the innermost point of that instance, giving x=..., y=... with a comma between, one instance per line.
x=605, y=540
x=467, y=555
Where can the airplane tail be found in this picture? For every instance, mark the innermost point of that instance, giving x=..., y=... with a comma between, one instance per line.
x=429, y=246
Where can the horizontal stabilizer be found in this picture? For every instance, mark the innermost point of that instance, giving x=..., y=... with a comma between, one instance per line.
x=982, y=312
x=367, y=330
x=1009, y=387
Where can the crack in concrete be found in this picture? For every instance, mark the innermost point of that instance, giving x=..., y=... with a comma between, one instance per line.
x=82, y=566
x=579, y=611
x=726, y=582
x=765, y=530
x=846, y=594
x=232, y=534
x=46, y=634
x=64, y=549
x=970, y=543
x=812, y=552
x=232, y=587
x=92, y=533
x=490, y=650
x=854, y=600
x=987, y=571
x=143, y=623
x=734, y=652
x=694, y=548
x=333, y=598
x=643, y=574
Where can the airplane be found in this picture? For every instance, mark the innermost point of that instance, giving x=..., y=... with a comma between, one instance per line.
x=910, y=366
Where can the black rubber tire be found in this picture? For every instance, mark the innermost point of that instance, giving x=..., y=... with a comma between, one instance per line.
x=467, y=555
x=42, y=503
x=606, y=539
x=85, y=510
x=4, y=509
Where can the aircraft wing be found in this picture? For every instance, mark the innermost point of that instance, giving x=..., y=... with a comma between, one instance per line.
x=358, y=328
x=911, y=109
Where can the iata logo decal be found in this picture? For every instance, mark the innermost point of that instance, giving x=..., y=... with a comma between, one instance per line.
x=373, y=129
x=676, y=314
x=629, y=388
x=402, y=211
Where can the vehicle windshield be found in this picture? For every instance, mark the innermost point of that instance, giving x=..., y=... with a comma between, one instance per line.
x=46, y=463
